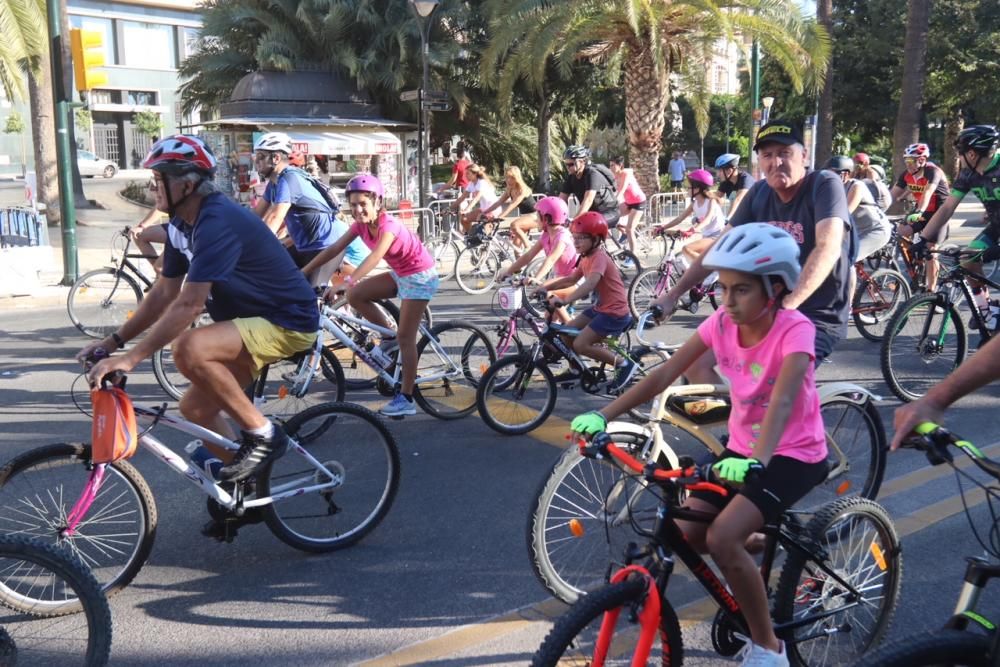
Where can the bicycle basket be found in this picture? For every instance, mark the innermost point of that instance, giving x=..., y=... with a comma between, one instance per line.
x=509, y=298
x=114, y=435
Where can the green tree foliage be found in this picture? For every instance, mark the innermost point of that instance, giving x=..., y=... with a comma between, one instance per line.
x=14, y=124
x=22, y=25
x=149, y=123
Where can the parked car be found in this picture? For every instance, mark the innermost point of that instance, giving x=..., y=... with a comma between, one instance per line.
x=91, y=165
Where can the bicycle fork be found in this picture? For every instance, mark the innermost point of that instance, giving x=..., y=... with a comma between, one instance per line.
x=649, y=620
x=86, y=499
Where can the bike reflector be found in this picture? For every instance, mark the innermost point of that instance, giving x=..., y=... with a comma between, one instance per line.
x=114, y=435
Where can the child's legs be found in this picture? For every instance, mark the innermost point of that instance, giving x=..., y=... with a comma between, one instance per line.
x=695, y=246
x=562, y=314
x=364, y=294
x=410, y=314
x=590, y=341
x=632, y=224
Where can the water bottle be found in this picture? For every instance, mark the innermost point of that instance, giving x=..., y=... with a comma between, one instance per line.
x=203, y=458
x=379, y=356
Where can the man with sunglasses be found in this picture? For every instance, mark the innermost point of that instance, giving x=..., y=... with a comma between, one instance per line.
x=734, y=183
x=928, y=186
x=593, y=185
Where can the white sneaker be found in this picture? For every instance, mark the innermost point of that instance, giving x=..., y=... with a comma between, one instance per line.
x=755, y=655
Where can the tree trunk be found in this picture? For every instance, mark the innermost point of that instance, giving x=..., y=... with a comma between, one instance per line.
x=645, y=100
x=824, y=120
x=43, y=138
x=911, y=98
x=544, y=183
x=952, y=126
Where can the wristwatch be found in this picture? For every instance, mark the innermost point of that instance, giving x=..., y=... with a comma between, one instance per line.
x=118, y=339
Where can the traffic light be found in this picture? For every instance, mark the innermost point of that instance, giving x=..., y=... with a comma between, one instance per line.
x=87, y=47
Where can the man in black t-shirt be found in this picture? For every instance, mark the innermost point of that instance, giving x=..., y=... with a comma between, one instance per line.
x=592, y=185
x=812, y=207
x=732, y=180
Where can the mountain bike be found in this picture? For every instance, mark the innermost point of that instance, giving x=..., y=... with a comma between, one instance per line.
x=877, y=296
x=335, y=484
x=651, y=283
x=968, y=638
x=926, y=338
x=577, y=525
x=54, y=613
x=100, y=301
x=834, y=597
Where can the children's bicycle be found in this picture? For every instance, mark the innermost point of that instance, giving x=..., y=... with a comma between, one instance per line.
x=834, y=597
x=968, y=638
x=650, y=284
x=333, y=487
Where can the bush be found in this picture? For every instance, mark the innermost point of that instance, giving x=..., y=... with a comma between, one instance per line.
x=137, y=193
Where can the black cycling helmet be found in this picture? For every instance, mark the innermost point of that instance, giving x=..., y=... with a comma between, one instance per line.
x=576, y=153
x=979, y=138
x=840, y=163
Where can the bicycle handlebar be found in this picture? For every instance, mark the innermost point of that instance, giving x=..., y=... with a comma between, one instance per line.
x=934, y=440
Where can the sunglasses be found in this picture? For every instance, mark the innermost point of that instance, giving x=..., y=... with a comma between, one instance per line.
x=570, y=164
x=910, y=160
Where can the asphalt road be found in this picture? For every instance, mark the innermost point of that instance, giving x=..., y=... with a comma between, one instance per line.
x=445, y=579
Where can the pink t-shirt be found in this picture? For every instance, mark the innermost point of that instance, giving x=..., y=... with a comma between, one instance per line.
x=632, y=193
x=611, y=296
x=752, y=372
x=567, y=261
x=406, y=254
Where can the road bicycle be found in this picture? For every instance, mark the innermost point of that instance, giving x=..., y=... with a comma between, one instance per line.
x=926, y=339
x=335, y=484
x=518, y=392
x=486, y=251
x=447, y=243
x=877, y=296
x=54, y=612
x=968, y=638
x=100, y=301
x=834, y=598
x=577, y=525
x=651, y=283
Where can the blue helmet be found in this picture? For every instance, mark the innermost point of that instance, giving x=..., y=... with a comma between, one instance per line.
x=727, y=160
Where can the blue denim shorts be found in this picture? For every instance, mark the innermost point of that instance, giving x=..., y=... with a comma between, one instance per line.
x=607, y=325
x=418, y=286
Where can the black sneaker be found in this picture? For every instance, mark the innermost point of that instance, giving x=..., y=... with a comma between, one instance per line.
x=254, y=453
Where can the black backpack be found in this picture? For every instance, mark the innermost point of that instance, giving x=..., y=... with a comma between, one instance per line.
x=608, y=194
x=322, y=188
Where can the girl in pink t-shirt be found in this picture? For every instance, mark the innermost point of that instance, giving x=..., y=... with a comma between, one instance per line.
x=631, y=196
x=775, y=428
x=557, y=244
x=412, y=277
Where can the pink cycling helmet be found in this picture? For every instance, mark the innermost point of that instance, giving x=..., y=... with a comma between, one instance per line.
x=701, y=177
x=555, y=208
x=365, y=183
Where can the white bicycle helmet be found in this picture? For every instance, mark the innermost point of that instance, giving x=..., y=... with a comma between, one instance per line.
x=274, y=141
x=760, y=249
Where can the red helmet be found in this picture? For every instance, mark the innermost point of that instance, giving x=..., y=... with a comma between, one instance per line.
x=917, y=150
x=591, y=223
x=180, y=154
x=862, y=159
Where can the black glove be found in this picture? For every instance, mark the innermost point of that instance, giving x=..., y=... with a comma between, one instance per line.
x=919, y=247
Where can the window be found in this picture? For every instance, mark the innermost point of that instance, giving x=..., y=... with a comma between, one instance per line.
x=189, y=41
x=103, y=26
x=149, y=45
x=141, y=98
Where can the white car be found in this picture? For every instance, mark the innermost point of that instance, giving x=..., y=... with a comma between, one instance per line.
x=91, y=165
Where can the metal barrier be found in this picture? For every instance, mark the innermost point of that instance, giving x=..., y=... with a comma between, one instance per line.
x=423, y=221
x=666, y=206
x=20, y=227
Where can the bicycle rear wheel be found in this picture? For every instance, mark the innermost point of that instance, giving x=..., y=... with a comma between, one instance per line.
x=876, y=300
x=861, y=546
x=356, y=448
x=444, y=252
x=572, y=640
x=456, y=355
x=925, y=341
x=628, y=264
x=39, y=488
x=40, y=583
x=646, y=288
x=516, y=395
x=100, y=301
x=951, y=648
x=282, y=390
x=476, y=269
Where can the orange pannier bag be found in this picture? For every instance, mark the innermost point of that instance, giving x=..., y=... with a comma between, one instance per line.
x=114, y=435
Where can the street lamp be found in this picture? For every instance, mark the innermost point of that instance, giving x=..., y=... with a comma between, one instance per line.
x=423, y=10
x=729, y=111
x=768, y=102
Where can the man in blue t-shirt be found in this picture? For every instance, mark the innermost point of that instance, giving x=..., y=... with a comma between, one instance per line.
x=264, y=310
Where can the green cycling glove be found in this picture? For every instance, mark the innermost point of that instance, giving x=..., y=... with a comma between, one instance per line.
x=735, y=469
x=913, y=217
x=589, y=423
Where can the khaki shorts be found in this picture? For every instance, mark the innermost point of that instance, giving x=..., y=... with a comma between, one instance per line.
x=267, y=342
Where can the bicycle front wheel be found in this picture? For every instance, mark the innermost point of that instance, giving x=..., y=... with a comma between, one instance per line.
x=860, y=545
x=953, y=648
x=356, y=453
x=876, y=300
x=451, y=361
x=924, y=341
x=100, y=301
x=40, y=582
x=39, y=488
x=476, y=270
x=444, y=252
x=573, y=638
x=516, y=395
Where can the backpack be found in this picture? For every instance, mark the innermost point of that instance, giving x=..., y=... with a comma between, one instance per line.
x=880, y=193
x=322, y=188
x=607, y=196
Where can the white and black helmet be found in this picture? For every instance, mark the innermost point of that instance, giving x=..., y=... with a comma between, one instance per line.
x=274, y=141
x=760, y=249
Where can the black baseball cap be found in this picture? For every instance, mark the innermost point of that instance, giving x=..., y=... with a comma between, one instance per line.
x=780, y=132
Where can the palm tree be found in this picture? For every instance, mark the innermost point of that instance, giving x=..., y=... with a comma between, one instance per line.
x=911, y=97
x=646, y=40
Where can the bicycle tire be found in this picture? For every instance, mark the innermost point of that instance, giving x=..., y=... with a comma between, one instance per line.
x=648, y=359
x=502, y=394
x=273, y=390
x=114, y=561
x=867, y=556
x=339, y=428
x=476, y=270
x=171, y=380
x=110, y=315
x=628, y=264
x=452, y=396
x=905, y=343
x=951, y=648
x=506, y=345
x=571, y=550
x=893, y=291
x=357, y=374
x=444, y=252
x=574, y=632
x=28, y=563
x=642, y=291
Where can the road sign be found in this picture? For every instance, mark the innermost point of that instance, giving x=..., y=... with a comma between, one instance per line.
x=409, y=96
x=435, y=106
x=436, y=96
